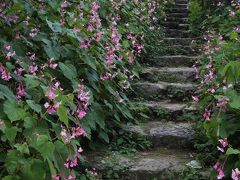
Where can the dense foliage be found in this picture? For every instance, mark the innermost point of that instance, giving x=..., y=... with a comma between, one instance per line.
x=218, y=72
x=64, y=69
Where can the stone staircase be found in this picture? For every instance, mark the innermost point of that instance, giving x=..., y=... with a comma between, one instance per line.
x=165, y=89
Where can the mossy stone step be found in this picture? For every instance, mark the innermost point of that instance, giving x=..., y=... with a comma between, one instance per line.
x=176, y=19
x=180, y=15
x=165, y=134
x=163, y=90
x=178, y=41
x=159, y=164
x=171, y=61
x=176, y=25
x=181, y=1
x=177, y=10
x=180, y=33
x=180, y=74
x=181, y=5
x=165, y=110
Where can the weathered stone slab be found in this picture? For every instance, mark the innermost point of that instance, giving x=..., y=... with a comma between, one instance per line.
x=165, y=134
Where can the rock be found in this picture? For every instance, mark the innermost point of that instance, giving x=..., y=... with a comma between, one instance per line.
x=165, y=134
x=163, y=90
x=165, y=110
x=172, y=61
x=178, y=41
x=181, y=74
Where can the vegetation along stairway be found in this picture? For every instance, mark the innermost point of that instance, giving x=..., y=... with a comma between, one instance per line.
x=165, y=90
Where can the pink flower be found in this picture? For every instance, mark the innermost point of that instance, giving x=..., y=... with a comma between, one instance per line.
x=81, y=114
x=220, y=174
x=236, y=174
x=207, y=115
x=32, y=69
x=19, y=71
x=51, y=94
x=71, y=177
x=56, y=177
x=20, y=91
x=223, y=142
x=78, y=131
x=6, y=75
x=222, y=103
x=195, y=98
x=51, y=64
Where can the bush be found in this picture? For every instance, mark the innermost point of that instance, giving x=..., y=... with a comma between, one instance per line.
x=65, y=68
x=218, y=70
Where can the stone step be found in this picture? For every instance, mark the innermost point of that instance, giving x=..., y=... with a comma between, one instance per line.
x=178, y=41
x=176, y=25
x=180, y=15
x=163, y=90
x=171, y=61
x=179, y=50
x=178, y=33
x=165, y=134
x=177, y=10
x=165, y=110
x=160, y=163
x=176, y=19
x=181, y=5
x=181, y=74
x=181, y=1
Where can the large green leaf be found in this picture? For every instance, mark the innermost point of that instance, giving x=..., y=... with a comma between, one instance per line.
x=4, y=90
x=69, y=71
x=63, y=114
x=11, y=133
x=34, y=106
x=13, y=111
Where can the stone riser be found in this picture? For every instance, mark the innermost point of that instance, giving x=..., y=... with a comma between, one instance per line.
x=178, y=41
x=159, y=111
x=178, y=10
x=165, y=134
x=152, y=91
x=171, y=61
x=168, y=74
x=176, y=19
x=177, y=26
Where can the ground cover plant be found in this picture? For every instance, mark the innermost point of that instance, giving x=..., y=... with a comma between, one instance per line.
x=218, y=72
x=65, y=67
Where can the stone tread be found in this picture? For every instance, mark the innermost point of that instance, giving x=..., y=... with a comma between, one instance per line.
x=168, y=74
x=159, y=163
x=165, y=134
x=169, y=106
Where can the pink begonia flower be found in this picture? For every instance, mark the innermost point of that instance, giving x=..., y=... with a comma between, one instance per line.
x=195, y=98
x=18, y=71
x=51, y=94
x=70, y=177
x=223, y=142
x=6, y=75
x=32, y=69
x=207, y=115
x=1, y=122
x=10, y=55
x=78, y=131
x=20, y=91
x=51, y=64
x=220, y=174
x=81, y=114
x=56, y=177
x=236, y=174
x=222, y=103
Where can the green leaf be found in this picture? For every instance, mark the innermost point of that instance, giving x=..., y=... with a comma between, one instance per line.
x=232, y=151
x=34, y=106
x=13, y=111
x=11, y=133
x=23, y=148
x=69, y=71
x=7, y=92
x=47, y=149
x=103, y=135
x=41, y=140
x=62, y=113
x=55, y=27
